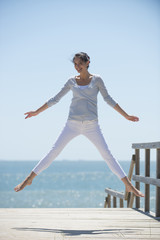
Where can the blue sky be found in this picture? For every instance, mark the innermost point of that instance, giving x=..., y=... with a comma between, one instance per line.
x=38, y=40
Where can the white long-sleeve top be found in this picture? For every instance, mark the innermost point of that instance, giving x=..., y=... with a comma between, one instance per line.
x=84, y=102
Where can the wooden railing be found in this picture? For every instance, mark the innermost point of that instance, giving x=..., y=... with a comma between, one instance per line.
x=147, y=180
x=112, y=194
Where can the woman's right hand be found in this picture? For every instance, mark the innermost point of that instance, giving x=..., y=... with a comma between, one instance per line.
x=34, y=113
x=30, y=114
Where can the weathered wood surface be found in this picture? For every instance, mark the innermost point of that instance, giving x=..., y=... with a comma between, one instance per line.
x=146, y=145
x=158, y=188
x=147, y=174
x=75, y=224
x=122, y=196
x=137, y=172
x=147, y=180
x=114, y=193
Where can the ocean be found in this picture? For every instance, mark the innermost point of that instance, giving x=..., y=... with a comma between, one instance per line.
x=65, y=184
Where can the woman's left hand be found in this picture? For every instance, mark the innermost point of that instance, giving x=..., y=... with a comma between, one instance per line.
x=124, y=114
x=132, y=118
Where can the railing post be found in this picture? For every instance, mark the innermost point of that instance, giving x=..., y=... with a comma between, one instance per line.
x=109, y=201
x=121, y=203
x=147, y=174
x=128, y=200
x=114, y=202
x=137, y=172
x=131, y=200
x=106, y=202
x=130, y=174
x=158, y=188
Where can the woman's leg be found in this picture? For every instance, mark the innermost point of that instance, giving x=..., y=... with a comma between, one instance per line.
x=94, y=134
x=67, y=134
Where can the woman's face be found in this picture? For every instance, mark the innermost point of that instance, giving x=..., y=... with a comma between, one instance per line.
x=80, y=65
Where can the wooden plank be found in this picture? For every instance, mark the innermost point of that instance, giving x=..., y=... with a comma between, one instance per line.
x=129, y=198
x=147, y=180
x=137, y=172
x=109, y=201
x=147, y=174
x=106, y=202
x=130, y=205
x=130, y=173
x=146, y=145
x=121, y=203
x=158, y=187
x=114, y=202
x=82, y=223
x=131, y=167
x=114, y=193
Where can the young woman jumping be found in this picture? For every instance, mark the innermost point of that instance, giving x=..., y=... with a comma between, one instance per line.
x=82, y=119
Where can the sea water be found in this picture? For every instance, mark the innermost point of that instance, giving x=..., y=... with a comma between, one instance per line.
x=65, y=184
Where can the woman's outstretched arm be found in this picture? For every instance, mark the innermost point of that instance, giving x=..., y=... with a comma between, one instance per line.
x=34, y=113
x=124, y=114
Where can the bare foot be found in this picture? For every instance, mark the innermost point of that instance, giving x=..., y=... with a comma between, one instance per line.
x=131, y=188
x=19, y=187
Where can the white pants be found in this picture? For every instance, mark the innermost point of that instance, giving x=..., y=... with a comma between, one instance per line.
x=92, y=131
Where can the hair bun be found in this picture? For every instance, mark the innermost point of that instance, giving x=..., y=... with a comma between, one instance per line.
x=85, y=55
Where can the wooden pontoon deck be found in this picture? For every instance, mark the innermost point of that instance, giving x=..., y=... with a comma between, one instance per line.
x=75, y=224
